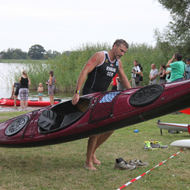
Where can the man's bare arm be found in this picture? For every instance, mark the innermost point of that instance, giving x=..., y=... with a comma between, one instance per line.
x=94, y=61
x=122, y=76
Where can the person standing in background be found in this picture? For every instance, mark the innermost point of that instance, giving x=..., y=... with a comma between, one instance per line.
x=135, y=74
x=187, y=69
x=40, y=91
x=50, y=83
x=24, y=91
x=177, y=67
x=15, y=92
x=141, y=74
x=162, y=74
x=153, y=74
x=168, y=74
x=114, y=82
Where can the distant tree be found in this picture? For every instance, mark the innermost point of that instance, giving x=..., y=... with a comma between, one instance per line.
x=55, y=54
x=22, y=55
x=14, y=54
x=36, y=52
x=51, y=54
x=48, y=54
x=177, y=33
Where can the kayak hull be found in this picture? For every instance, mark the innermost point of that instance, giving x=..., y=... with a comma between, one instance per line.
x=181, y=143
x=35, y=103
x=94, y=114
x=174, y=126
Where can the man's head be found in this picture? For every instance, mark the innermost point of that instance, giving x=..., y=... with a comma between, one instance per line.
x=119, y=47
x=188, y=61
x=153, y=66
x=178, y=56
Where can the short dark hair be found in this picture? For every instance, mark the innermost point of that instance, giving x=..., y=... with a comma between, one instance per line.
x=178, y=56
x=163, y=66
x=118, y=42
x=51, y=73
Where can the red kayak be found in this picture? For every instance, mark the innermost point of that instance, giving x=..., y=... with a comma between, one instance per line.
x=95, y=113
x=10, y=102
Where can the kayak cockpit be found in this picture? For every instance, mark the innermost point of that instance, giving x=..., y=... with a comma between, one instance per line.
x=62, y=115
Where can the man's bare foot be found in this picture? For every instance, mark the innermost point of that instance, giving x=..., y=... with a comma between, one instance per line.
x=95, y=160
x=89, y=167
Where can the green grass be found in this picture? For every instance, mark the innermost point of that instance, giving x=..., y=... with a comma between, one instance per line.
x=61, y=166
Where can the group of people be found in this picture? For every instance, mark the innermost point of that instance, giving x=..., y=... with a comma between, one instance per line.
x=174, y=70
x=22, y=88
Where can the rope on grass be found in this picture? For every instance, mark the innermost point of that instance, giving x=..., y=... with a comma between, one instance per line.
x=135, y=179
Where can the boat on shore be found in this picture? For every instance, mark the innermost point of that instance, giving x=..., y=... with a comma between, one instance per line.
x=34, y=103
x=173, y=126
x=95, y=113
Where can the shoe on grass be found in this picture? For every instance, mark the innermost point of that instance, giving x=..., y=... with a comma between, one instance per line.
x=157, y=144
x=123, y=165
x=147, y=145
x=138, y=163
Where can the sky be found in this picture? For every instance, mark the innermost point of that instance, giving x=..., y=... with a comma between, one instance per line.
x=62, y=25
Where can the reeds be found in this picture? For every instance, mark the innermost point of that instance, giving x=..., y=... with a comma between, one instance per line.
x=67, y=67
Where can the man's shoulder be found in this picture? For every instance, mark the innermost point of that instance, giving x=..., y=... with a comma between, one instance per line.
x=99, y=55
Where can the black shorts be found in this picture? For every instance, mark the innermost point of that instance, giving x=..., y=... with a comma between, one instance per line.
x=17, y=92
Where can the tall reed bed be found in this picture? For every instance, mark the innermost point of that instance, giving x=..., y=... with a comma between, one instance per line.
x=67, y=67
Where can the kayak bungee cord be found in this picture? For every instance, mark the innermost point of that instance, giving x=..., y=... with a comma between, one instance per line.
x=33, y=131
x=135, y=179
x=34, y=113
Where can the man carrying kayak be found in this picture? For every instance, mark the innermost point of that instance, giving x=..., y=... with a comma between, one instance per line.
x=100, y=69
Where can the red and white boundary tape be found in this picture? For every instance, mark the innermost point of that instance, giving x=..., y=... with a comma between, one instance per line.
x=135, y=179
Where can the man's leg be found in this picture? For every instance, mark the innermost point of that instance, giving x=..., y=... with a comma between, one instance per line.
x=15, y=99
x=51, y=97
x=92, y=141
x=22, y=104
x=26, y=104
x=101, y=139
x=133, y=83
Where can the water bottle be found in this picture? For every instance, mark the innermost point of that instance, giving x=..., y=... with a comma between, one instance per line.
x=136, y=130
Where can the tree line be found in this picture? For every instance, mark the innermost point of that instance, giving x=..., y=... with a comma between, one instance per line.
x=36, y=52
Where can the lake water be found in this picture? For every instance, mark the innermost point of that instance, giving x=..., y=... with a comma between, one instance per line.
x=7, y=71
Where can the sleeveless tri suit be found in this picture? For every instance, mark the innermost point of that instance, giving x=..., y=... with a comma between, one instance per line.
x=100, y=77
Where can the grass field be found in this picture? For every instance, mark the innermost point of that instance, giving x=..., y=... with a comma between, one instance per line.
x=61, y=166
